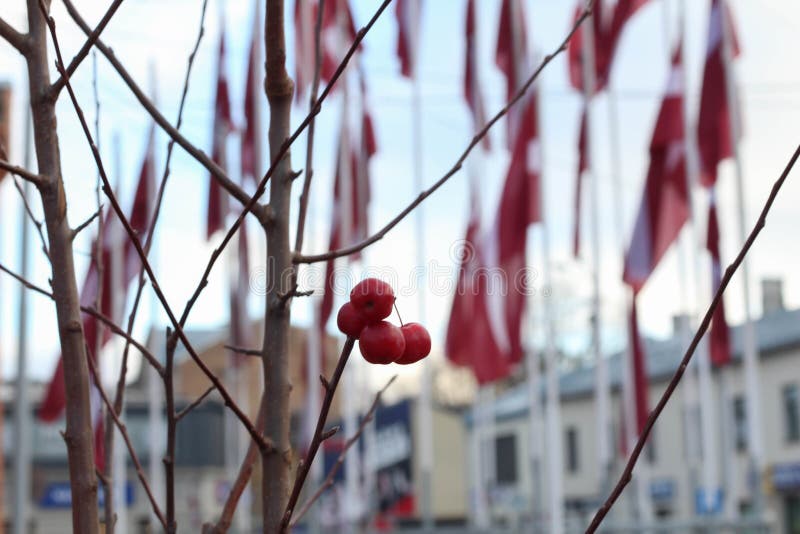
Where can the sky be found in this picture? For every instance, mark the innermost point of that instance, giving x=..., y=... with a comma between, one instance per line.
x=147, y=37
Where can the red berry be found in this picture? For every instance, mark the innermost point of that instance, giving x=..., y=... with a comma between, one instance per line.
x=373, y=298
x=381, y=342
x=350, y=321
x=418, y=343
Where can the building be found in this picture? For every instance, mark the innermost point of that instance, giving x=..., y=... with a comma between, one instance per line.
x=668, y=476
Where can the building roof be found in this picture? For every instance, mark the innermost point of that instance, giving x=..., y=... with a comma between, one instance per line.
x=775, y=332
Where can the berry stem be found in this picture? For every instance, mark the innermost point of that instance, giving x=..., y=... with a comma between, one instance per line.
x=398, y=312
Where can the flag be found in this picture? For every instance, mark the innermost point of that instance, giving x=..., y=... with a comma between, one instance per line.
x=485, y=326
x=608, y=24
x=714, y=135
x=511, y=57
x=472, y=89
x=720, y=334
x=252, y=99
x=217, y=197
x=639, y=367
x=54, y=402
x=337, y=34
x=665, y=202
x=409, y=18
x=583, y=165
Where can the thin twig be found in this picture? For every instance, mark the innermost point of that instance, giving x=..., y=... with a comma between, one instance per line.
x=627, y=474
x=317, y=439
x=477, y=138
x=36, y=222
x=329, y=479
x=116, y=329
x=312, y=101
x=58, y=85
x=124, y=431
x=33, y=178
x=216, y=171
x=195, y=403
x=243, y=350
x=132, y=235
x=87, y=222
x=13, y=37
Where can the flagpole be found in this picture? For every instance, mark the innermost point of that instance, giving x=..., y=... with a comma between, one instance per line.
x=750, y=352
x=426, y=401
x=22, y=412
x=601, y=372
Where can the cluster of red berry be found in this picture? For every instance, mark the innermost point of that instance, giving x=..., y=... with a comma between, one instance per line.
x=371, y=301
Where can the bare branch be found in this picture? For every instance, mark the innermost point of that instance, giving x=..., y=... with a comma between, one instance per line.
x=627, y=474
x=94, y=313
x=33, y=178
x=181, y=414
x=346, y=251
x=36, y=222
x=216, y=171
x=317, y=439
x=58, y=85
x=329, y=479
x=16, y=39
x=132, y=235
x=87, y=222
x=312, y=102
x=124, y=431
x=244, y=351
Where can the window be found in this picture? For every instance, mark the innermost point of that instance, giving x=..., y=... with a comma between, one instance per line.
x=792, y=507
x=791, y=412
x=572, y=450
x=505, y=455
x=740, y=422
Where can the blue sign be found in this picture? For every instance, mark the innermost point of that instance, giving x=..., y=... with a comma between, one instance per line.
x=708, y=502
x=58, y=495
x=662, y=490
x=786, y=477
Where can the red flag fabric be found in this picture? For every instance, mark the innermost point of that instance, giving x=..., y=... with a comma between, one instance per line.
x=511, y=57
x=639, y=372
x=217, y=197
x=608, y=24
x=409, y=17
x=665, y=202
x=484, y=331
x=714, y=136
x=54, y=402
x=472, y=88
x=720, y=334
x=249, y=159
x=583, y=165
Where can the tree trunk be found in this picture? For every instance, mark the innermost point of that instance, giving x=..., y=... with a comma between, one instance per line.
x=276, y=462
x=78, y=434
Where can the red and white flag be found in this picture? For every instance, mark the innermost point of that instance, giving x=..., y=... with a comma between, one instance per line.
x=720, y=346
x=714, y=136
x=608, y=24
x=217, y=196
x=472, y=87
x=252, y=99
x=485, y=325
x=336, y=35
x=409, y=18
x=665, y=202
x=114, y=290
x=511, y=57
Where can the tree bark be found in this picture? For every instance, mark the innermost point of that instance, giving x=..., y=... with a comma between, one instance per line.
x=78, y=433
x=275, y=351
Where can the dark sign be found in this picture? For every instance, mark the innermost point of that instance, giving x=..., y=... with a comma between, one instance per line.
x=786, y=477
x=58, y=495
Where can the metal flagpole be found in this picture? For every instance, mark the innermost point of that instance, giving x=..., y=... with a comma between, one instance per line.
x=22, y=412
x=707, y=430
x=601, y=372
x=751, y=372
x=426, y=400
